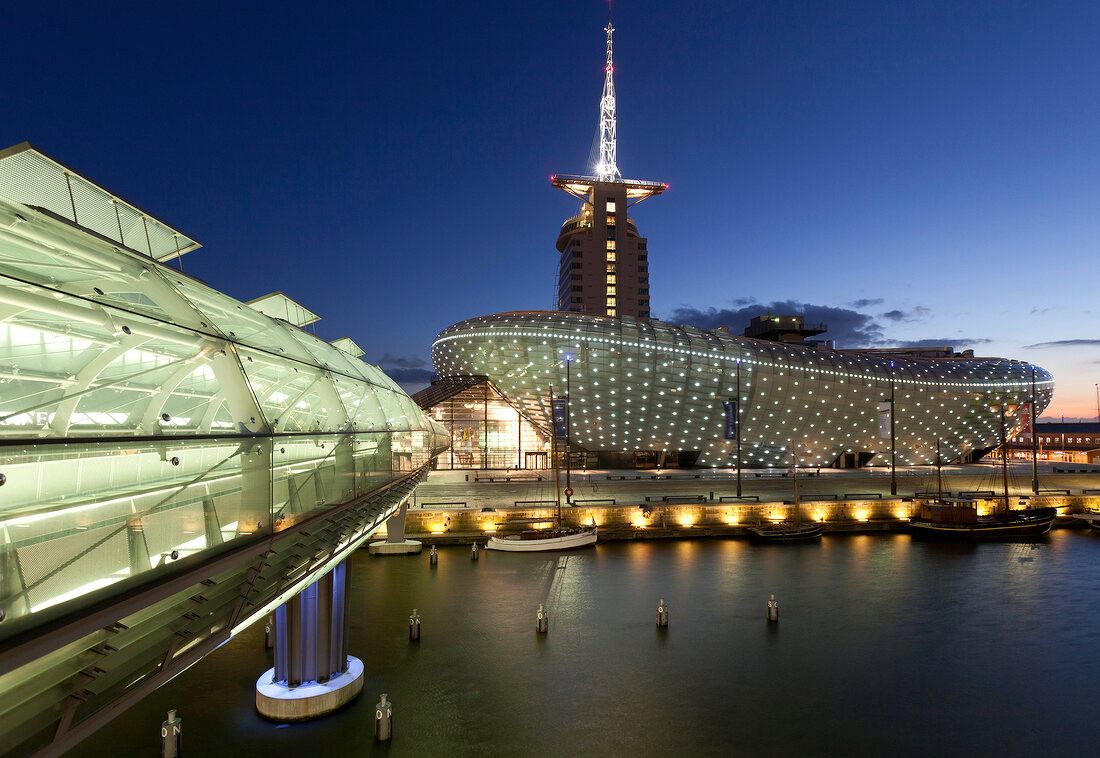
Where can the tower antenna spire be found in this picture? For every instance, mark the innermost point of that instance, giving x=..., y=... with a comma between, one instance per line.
x=607, y=169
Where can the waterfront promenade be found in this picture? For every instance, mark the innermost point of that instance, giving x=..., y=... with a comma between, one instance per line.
x=463, y=506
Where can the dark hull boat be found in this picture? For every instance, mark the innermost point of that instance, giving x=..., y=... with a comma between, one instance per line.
x=787, y=532
x=961, y=521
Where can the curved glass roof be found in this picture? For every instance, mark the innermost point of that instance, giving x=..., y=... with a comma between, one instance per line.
x=96, y=341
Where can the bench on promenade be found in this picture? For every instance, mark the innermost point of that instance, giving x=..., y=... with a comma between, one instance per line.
x=461, y=504
x=1090, y=492
x=976, y=493
x=816, y=496
x=784, y=474
x=732, y=498
x=595, y=502
x=509, y=478
x=864, y=495
x=518, y=503
x=945, y=493
x=670, y=499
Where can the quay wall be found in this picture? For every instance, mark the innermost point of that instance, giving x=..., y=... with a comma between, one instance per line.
x=656, y=520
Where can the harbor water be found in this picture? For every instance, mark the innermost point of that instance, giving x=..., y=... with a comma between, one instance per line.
x=885, y=645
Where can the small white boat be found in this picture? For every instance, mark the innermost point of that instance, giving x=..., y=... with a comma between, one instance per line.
x=538, y=540
x=1092, y=518
x=559, y=537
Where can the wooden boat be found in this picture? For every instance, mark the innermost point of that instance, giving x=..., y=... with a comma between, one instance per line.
x=957, y=518
x=787, y=531
x=536, y=540
x=1092, y=518
x=558, y=537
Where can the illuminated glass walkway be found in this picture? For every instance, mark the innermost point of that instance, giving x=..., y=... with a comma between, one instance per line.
x=173, y=463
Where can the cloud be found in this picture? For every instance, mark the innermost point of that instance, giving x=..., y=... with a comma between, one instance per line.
x=849, y=328
x=406, y=369
x=866, y=302
x=897, y=315
x=1063, y=343
x=954, y=342
x=401, y=361
x=409, y=375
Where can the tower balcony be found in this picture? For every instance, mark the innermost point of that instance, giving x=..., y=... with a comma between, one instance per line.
x=583, y=223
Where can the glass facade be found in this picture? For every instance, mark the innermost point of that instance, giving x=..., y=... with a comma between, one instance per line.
x=643, y=385
x=488, y=433
x=145, y=417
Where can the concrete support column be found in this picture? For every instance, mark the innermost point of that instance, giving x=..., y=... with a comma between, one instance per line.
x=341, y=594
x=313, y=674
x=322, y=664
x=395, y=543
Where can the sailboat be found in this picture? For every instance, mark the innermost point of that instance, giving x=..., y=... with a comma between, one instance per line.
x=786, y=531
x=557, y=537
x=957, y=518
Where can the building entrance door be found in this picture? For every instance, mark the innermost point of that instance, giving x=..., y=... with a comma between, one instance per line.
x=536, y=460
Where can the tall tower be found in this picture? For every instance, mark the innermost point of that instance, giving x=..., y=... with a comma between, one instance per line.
x=604, y=266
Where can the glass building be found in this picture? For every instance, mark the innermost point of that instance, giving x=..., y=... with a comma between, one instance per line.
x=643, y=387
x=486, y=432
x=157, y=439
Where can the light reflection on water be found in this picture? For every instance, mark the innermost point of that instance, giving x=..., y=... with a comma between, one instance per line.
x=885, y=646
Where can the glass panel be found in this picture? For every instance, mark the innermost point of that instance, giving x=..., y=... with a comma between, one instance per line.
x=361, y=403
x=312, y=474
x=295, y=397
x=79, y=517
x=238, y=322
x=39, y=250
x=76, y=368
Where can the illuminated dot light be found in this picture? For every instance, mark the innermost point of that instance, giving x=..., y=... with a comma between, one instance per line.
x=651, y=386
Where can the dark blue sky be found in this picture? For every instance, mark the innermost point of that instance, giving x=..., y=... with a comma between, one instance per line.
x=908, y=171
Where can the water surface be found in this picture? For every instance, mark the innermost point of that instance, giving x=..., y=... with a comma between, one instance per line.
x=885, y=646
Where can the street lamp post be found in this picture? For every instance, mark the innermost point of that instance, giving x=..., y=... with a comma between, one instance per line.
x=1034, y=440
x=738, y=408
x=893, y=443
x=568, y=424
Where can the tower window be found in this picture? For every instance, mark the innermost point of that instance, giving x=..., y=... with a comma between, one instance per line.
x=610, y=207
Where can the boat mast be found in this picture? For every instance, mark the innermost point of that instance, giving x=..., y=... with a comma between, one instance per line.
x=737, y=421
x=939, y=474
x=794, y=478
x=893, y=439
x=1004, y=455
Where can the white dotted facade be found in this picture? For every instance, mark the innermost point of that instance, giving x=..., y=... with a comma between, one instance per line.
x=647, y=385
